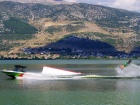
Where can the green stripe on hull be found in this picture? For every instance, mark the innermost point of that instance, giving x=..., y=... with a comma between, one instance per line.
x=13, y=74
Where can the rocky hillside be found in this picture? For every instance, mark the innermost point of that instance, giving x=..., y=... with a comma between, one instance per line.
x=47, y=2
x=24, y=25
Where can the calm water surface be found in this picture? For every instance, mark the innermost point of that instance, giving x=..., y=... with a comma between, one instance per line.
x=40, y=91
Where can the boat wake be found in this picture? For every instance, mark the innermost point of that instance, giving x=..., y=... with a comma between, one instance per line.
x=131, y=70
x=38, y=76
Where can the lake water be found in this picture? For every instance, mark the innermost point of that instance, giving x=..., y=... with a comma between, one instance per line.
x=66, y=91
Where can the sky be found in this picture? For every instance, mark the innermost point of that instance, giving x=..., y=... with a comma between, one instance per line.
x=132, y=5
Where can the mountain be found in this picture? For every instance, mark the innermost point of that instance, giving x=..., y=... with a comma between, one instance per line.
x=25, y=25
x=46, y=2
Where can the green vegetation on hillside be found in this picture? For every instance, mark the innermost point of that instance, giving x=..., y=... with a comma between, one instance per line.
x=15, y=29
x=53, y=29
x=8, y=41
x=137, y=29
x=13, y=37
x=110, y=24
x=71, y=28
x=74, y=26
x=17, y=26
x=7, y=46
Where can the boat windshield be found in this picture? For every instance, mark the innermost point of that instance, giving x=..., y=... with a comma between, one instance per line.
x=19, y=68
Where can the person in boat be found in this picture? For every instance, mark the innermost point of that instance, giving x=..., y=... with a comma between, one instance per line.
x=125, y=64
x=19, y=68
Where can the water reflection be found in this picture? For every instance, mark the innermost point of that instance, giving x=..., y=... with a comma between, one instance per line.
x=94, y=85
x=34, y=90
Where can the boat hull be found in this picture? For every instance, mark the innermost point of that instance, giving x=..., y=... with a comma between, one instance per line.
x=13, y=74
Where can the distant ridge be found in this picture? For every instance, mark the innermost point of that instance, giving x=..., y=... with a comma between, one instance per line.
x=46, y=2
x=33, y=25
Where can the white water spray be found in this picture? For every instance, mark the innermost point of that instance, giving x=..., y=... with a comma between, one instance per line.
x=131, y=70
x=31, y=75
x=49, y=73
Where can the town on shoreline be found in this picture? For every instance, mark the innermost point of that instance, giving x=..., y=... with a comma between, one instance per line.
x=59, y=56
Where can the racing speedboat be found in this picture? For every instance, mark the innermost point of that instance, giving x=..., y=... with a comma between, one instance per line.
x=17, y=72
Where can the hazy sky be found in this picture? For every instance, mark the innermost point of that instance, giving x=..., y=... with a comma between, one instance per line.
x=133, y=5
